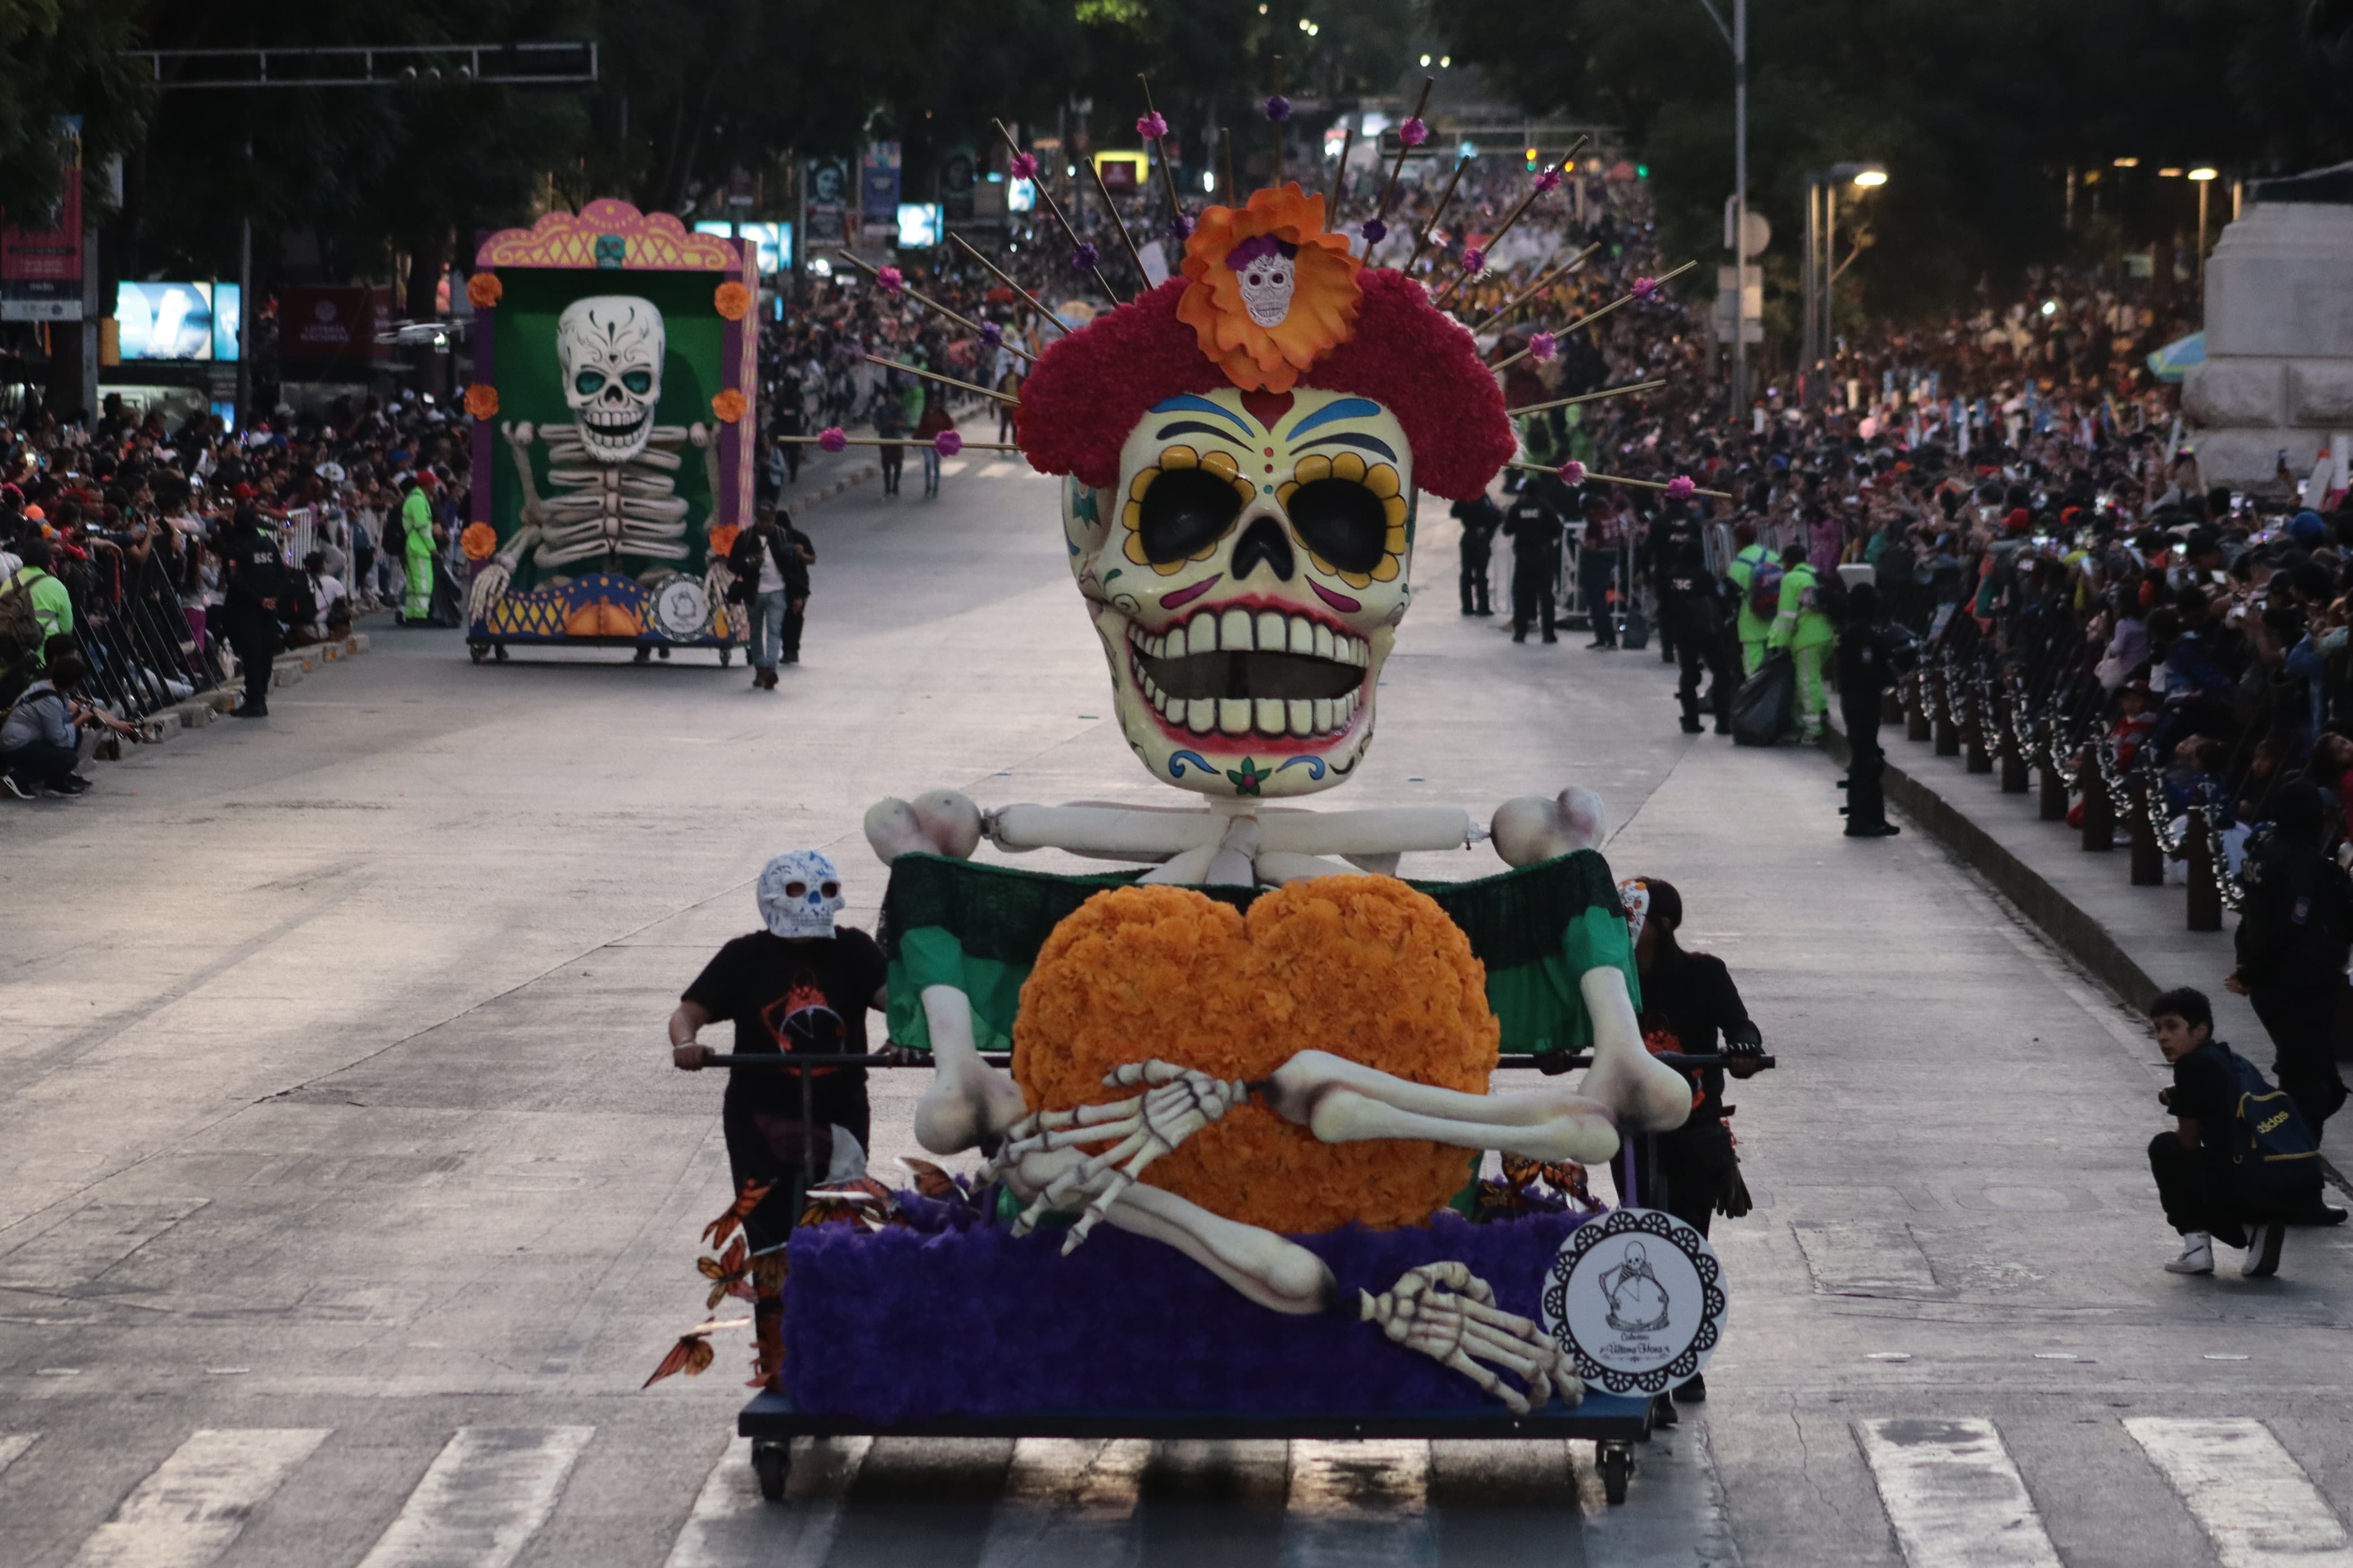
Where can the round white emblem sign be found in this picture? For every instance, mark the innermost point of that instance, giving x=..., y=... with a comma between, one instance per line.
x=1637, y=1300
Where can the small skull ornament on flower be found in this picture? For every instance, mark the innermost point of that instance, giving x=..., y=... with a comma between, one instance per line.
x=1269, y=273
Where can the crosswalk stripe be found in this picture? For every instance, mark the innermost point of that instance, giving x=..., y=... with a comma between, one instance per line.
x=1954, y=1496
x=2247, y=1492
x=194, y=1504
x=1066, y=1501
x=1358, y=1505
x=12, y=1444
x=733, y=1527
x=485, y=1495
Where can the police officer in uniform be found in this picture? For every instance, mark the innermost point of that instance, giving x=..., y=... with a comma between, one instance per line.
x=1872, y=655
x=1691, y=608
x=1534, y=522
x=257, y=579
x=1480, y=517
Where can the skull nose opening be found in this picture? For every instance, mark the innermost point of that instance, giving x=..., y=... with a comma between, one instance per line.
x=1265, y=540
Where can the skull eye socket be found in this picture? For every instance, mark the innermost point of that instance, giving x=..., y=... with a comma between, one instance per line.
x=1342, y=522
x=796, y=890
x=639, y=382
x=588, y=383
x=831, y=889
x=1183, y=510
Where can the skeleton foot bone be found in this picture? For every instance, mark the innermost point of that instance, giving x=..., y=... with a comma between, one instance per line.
x=1449, y=1314
x=1177, y=1103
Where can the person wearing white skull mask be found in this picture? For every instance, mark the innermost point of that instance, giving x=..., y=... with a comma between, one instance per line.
x=801, y=985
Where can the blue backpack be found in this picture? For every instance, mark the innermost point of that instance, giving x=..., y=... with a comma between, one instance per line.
x=2275, y=1159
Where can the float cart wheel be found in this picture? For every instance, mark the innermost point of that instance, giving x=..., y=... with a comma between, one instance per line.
x=480, y=650
x=498, y=651
x=771, y=1459
x=1614, y=1457
x=726, y=656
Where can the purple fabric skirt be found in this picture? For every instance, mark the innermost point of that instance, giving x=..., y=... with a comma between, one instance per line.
x=951, y=1317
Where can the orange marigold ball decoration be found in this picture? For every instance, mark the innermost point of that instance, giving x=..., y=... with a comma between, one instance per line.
x=482, y=400
x=483, y=290
x=722, y=539
x=480, y=541
x=727, y=406
x=1364, y=968
x=1323, y=307
x=732, y=300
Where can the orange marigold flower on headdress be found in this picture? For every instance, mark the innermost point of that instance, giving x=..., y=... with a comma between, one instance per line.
x=482, y=400
x=483, y=290
x=1265, y=324
x=480, y=541
x=732, y=300
x=728, y=405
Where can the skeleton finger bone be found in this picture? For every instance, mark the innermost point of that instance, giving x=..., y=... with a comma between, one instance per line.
x=1446, y=1313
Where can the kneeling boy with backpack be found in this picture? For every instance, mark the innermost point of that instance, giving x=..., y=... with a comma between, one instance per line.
x=2241, y=1161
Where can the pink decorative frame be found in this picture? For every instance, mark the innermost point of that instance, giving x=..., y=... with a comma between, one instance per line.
x=650, y=242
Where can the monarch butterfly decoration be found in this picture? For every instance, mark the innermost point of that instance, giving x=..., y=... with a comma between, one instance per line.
x=862, y=1201
x=933, y=1183
x=692, y=1354
x=727, y=1274
x=1521, y=1189
x=716, y=1233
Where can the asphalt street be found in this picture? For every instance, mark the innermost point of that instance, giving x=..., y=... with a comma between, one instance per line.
x=347, y=1194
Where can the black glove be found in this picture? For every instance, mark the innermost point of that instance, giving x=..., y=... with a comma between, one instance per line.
x=1743, y=1040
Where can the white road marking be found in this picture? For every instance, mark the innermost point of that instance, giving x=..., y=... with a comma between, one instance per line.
x=13, y=1444
x=487, y=1493
x=2250, y=1496
x=1954, y=1496
x=1358, y=1505
x=194, y=1503
x=1067, y=1502
x=733, y=1525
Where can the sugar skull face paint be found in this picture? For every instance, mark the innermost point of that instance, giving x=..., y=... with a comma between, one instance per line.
x=1247, y=577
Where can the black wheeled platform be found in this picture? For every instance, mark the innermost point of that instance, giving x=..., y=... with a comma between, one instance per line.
x=1615, y=1423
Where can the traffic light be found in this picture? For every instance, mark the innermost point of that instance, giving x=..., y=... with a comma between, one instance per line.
x=1641, y=171
x=1531, y=160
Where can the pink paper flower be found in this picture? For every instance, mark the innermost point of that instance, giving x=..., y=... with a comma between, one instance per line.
x=1474, y=260
x=1544, y=348
x=1025, y=166
x=1572, y=472
x=1413, y=132
x=832, y=439
x=947, y=443
x=1152, y=126
x=1646, y=288
x=1548, y=181
x=1680, y=487
x=891, y=279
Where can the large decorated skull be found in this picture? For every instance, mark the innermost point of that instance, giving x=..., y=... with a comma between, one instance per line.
x=611, y=347
x=1246, y=576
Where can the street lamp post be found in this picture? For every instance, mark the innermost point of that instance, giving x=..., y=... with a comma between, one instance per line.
x=1737, y=36
x=2204, y=178
x=1820, y=268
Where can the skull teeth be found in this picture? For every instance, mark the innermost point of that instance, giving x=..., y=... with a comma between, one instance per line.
x=1300, y=677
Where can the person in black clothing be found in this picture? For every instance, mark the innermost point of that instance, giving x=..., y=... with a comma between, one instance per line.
x=802, y=986
x=2191, y=1162
x=1689, y=1005
x=1480, y=517
x=797, y=607
x=1691, y=612
x=257, y=580
x=770, y=582
x=2295, y=928
x=1871, y=656
x=1533, y=524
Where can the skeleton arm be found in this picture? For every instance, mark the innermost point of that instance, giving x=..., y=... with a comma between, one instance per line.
x=535, y=510
x=707, y=439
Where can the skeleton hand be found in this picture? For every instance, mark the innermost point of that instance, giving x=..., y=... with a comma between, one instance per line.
x=1178, y=1103
x=1449, y=1314
x=700, y=434
x=519, y=433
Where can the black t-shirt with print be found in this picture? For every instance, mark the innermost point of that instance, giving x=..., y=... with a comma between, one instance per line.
x=807, y=996
x=2206, y=1091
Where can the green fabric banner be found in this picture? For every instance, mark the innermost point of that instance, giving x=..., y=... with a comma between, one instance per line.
x=979, y=929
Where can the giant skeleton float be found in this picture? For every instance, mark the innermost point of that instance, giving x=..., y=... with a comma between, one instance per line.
x=1248, y=1086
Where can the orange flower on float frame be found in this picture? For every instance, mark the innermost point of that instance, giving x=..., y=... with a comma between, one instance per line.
x=480, y=541
x=722, y=539
x=728, y=405
x=482, y=400
x=1322, y=311
x=485, y=290
x=732, y=300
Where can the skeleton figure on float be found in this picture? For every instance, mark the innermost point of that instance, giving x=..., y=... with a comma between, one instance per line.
x=1244, y=447
x=613, y=471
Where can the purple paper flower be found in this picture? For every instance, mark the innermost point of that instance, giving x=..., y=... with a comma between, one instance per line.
x=1548, y=181
x=1645, y=289
x=832, y=439
x=1680, y=487
x=1180, y=227
x=1152, y=126
x=1025, y=166
x=947, y=443
x=1413, y=132
x=1474, y=260
x=1544, y=348
x=1278, y=109
x=1084, y=256
x=991, y=333
x=1572, y=472
x=1374, y=231
x=891, y=280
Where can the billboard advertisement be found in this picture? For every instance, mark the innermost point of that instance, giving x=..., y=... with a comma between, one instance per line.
x=195, y=321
